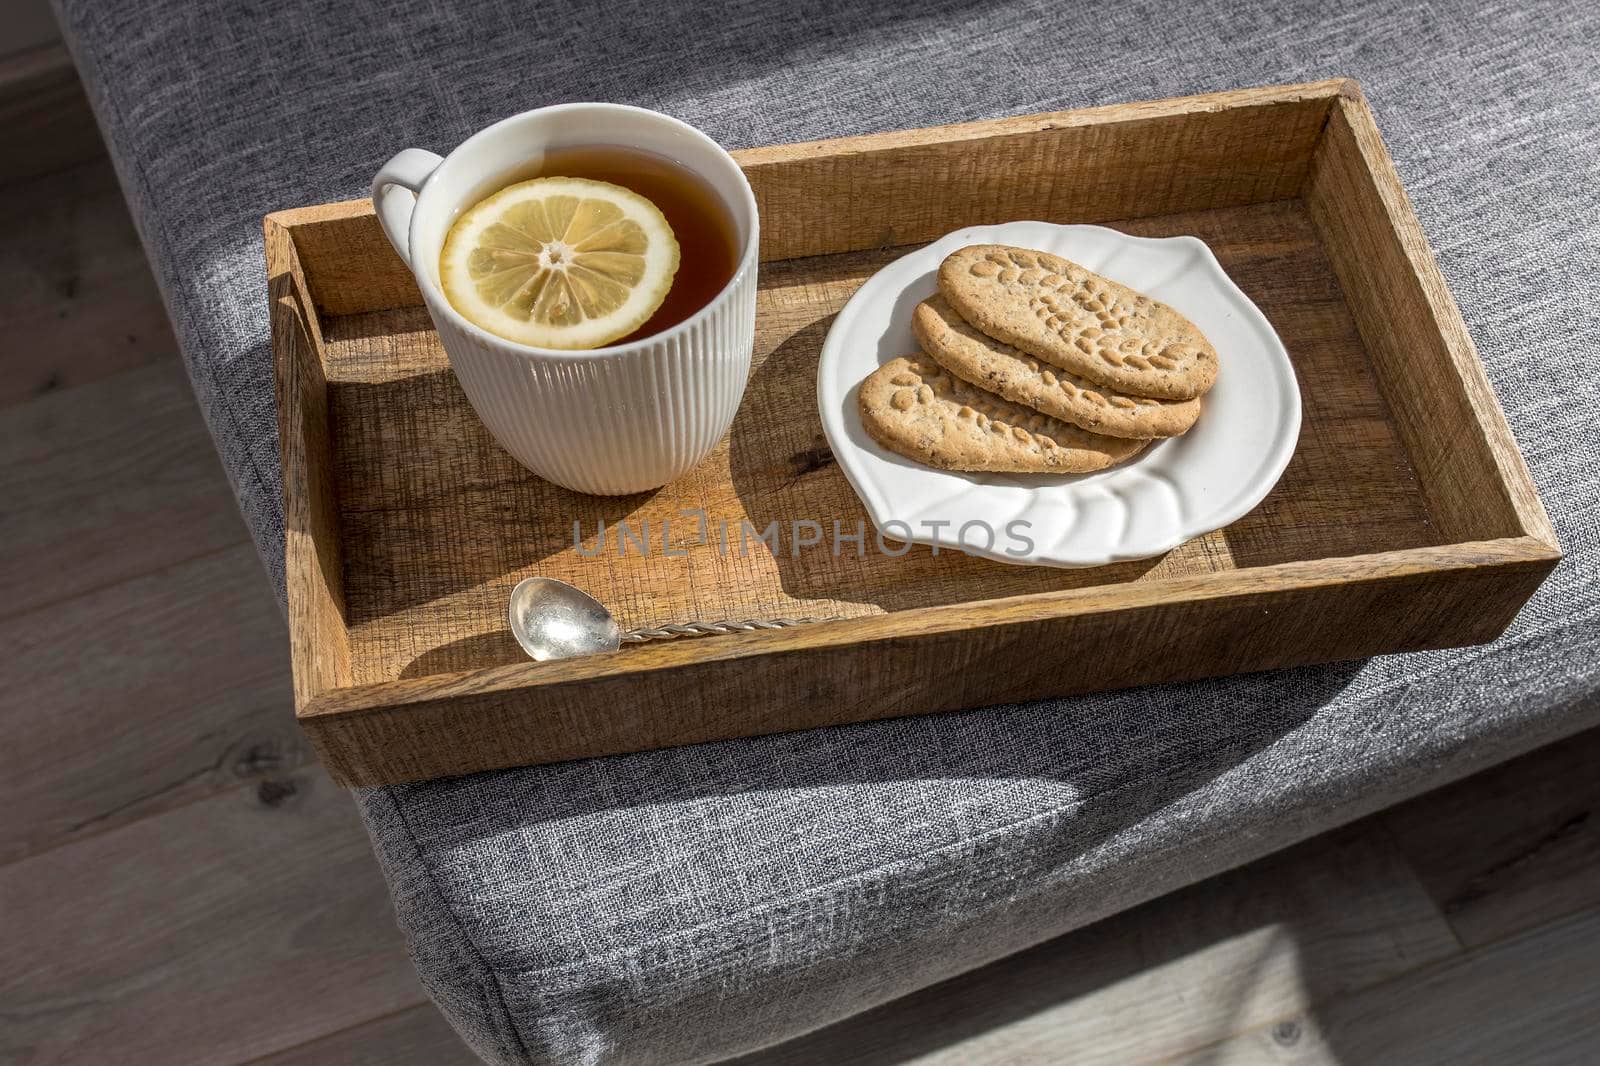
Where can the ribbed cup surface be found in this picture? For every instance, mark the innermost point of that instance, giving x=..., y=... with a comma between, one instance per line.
x=621, y=422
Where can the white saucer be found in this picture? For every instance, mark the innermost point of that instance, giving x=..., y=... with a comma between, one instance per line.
x=1173, y=491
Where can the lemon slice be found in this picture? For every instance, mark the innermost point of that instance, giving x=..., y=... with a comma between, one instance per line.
x=560, y=262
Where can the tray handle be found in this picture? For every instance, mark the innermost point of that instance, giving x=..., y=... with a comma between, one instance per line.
x=394, y=194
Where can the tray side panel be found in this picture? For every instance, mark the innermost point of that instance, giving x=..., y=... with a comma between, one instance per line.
x=349, y=264
x=1469, y=468
x=982, y=655
x=821, y=197
x=313, y=559
x=1110, y=163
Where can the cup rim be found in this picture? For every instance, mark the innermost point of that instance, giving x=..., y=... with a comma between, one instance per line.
x=438, y=303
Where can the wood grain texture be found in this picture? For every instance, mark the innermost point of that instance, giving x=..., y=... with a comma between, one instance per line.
x=418, y=1036
x=1475, y=480
x=1194, y=153
x=313, y=551
x=224, y=930
x=95, y=480
x=45, y=121
x=80, y=304
x=1529, y=1000
x=154, y=929
x=876, y=191
x=1326, y=918
x=348, y=265
x=141, y=697
x=933, y=659
x=404, y=665
x=1512, y=847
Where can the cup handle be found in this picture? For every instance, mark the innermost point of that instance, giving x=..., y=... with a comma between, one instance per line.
x=403, y=175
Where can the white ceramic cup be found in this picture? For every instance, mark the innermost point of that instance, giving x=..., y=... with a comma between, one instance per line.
x=612, y=420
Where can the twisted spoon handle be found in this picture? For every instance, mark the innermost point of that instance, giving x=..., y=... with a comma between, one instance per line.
x=708, y=629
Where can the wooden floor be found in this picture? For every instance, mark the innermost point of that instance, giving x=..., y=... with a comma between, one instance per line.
x=179, y=882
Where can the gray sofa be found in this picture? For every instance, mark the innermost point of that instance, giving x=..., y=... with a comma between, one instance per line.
x=687, y=905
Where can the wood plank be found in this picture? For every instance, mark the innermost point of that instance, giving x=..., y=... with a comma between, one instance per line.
x=313, y=552
x=227, y=929
x=936, y=659
x=77, y=302
x=876, y=191
x=416, y=1037
x=1512, y=847
x=348, y=265
x=141, y=697
x=1155, y=157
x=99, y=481
x=45, y=120
x=1529, y=1000
x=1335, y=914
x=1468, y=466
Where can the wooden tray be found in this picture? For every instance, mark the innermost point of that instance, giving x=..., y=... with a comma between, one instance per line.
x=1406, y=520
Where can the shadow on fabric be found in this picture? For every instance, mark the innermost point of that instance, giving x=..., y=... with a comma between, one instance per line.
x=1112, y=761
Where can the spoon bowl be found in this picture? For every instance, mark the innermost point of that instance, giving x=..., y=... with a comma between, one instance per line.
x=554, y=620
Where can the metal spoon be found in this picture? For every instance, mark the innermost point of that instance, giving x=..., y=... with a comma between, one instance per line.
x=554, y=620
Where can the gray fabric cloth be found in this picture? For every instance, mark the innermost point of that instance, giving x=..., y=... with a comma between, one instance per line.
x=683, y=905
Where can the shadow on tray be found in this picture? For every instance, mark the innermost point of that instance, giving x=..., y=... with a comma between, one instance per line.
x=784, y=472
x=431, y=505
